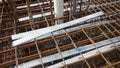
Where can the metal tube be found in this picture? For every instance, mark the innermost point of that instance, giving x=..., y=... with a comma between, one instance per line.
x=58, y=9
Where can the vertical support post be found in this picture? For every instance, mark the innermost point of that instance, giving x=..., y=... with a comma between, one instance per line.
x=51, y=10
x=58, y=9
x=12, y=6
x=74, y=6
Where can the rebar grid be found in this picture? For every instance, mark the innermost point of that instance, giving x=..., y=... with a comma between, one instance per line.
x=41, y=50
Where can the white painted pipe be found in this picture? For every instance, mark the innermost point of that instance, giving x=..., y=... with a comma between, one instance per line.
x=40, y=32
x=21, y=35
x=67, y=53
x=58, y=9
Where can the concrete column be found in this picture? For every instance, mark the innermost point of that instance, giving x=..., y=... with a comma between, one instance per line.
x=58, y=9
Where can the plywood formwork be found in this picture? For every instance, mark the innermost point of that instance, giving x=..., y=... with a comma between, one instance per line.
x=20, y=16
